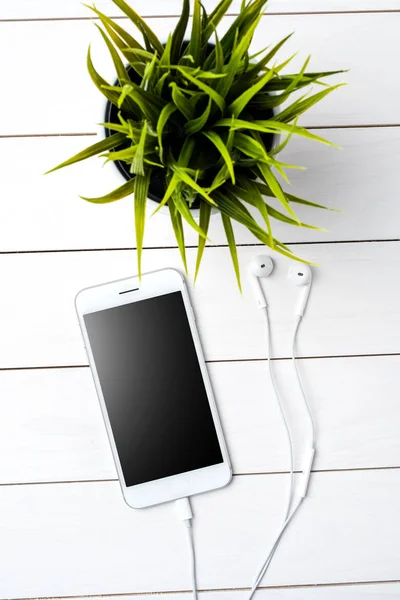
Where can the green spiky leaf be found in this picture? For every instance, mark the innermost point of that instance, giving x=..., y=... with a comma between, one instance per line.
x=195, y=125
x=254, y=70
x=177, y=226
x=110, y=24
x=118, y=64
x=141, y=189
x=195, y=43
x=147, y=33
x=230, y=236
x=165, y=114
x=184, y=210
x=252, y=194
x=215, y=18
x=183, y=176
x=137, y=165
x=204, y=88
x=108, y=143
x=181, y=102
x=250, y=197
x=99, y=82
x=179, y=32
x=204, y=221
x=300, y=106
x=121, y=192
x=219, y=144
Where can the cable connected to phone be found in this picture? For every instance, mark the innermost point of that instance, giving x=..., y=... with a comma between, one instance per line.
x=185, y=514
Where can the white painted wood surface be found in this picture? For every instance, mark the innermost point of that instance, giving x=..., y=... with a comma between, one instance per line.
x=354, y=307
x=59, y=9
x=54, y=430
x=79, y=538
x=335, y=178
x=61, y=108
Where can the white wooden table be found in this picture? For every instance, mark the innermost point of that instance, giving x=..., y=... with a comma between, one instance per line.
x=64, y=528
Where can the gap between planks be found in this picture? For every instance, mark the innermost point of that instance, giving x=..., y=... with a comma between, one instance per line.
x=238, y=245
x=253, y=474
x=92, y=134
x=220, y=360
x=213, y=590
x=233, y=14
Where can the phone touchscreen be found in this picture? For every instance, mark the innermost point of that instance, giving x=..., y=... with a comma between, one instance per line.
x=153, y=388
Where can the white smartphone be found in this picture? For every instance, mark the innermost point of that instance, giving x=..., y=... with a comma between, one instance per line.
x=155, y=394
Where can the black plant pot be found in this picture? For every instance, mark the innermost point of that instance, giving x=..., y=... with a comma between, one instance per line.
x=157, y=185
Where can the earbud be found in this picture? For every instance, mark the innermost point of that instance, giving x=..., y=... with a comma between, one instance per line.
x=301, y=275
x=260, y=266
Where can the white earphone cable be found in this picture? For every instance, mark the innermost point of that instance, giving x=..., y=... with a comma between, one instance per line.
x=289, y=497
x=282, y=413
x=309, y=456
x=303, y=394
x=273, y=549
x=183, y=506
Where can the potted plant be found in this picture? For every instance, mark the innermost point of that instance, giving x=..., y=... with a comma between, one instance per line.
x=193, y=123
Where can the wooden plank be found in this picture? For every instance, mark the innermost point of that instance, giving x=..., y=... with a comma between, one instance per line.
x=377, y=591
x=353, y=307
x=45, y=213
x=52, y=429
x=51, y=9
x=75, y=106
x=83, y=539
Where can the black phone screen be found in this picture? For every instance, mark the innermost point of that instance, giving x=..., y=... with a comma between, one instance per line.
x=153, y=388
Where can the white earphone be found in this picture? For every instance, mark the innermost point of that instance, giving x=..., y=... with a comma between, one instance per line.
x=301, y=276
x=260, y=266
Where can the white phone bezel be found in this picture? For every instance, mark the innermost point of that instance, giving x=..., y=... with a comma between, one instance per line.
x=118, y=293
